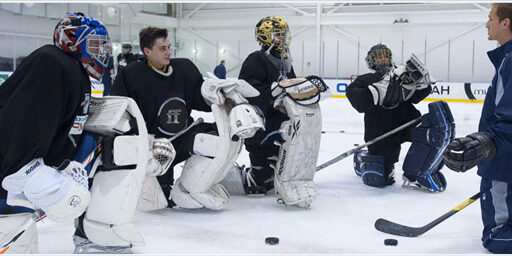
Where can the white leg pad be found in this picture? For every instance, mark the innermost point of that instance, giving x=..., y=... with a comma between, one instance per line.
x=28, y=243
x=151, y=197
x=296, y=165
x=201, y=174
x=114, y=193
x=112, y=235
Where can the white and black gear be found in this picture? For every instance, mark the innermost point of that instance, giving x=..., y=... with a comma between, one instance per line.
x=245, y=120
x=216, y=91
x=28, y=242
x=198, y=186
x=63, y=194
x=161, y=155
x=304, y=91
x=118, y=182
x=298, y=154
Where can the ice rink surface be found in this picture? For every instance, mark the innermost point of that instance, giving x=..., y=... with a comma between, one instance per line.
x=340, y=220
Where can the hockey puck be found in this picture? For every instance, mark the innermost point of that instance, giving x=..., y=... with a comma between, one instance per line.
x=391, y=242
x=271, y=240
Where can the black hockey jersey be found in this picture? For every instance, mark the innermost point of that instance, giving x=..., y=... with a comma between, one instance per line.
x=152, y=90
x=378, y=120
x=260, y=72
x=43, y=106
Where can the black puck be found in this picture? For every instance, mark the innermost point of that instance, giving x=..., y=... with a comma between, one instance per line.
x=392, y=242
x=271, y=240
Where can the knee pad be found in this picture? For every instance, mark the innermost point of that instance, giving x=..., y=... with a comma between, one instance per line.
x=429, y=141
x=298, y=154
x=118, y=181
x=198, y=186
x=371, y=169
x=28, y=242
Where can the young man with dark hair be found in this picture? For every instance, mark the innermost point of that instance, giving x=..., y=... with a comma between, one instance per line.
x=491, y=147
x=167, y=90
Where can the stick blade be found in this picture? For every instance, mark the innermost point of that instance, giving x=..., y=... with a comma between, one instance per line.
x=393, y=228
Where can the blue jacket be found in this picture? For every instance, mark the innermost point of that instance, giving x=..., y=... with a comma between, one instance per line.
x=220, y=71
x=496, y=116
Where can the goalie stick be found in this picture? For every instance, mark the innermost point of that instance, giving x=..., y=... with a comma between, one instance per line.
x=39, y=214
x=393, y=228
x=352, y=151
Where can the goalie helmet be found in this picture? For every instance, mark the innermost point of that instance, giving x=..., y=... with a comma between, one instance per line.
x=273, y=31
x=86, y=39
x=379, y=59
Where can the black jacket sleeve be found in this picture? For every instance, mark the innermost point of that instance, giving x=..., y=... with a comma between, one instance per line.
x=194, y=81
x=31, y=117
x=419, y=95
x=359, y=95
x=253, y=71
x=120, y=87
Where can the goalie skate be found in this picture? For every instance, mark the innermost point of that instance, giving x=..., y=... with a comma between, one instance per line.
x=84, y=246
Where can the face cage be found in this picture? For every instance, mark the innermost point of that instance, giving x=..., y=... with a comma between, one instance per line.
x=279, y=34
x=99, y=48
x=381, y=57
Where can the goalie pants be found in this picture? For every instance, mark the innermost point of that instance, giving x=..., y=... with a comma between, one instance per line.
x=496, y=206
x=184, y=146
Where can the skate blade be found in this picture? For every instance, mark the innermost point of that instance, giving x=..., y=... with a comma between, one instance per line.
x=84, y=246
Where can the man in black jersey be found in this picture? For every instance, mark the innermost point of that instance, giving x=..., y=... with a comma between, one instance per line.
x=43, y=107
x=167, y=90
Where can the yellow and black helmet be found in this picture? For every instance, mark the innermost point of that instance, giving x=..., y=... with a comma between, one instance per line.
x=268, y=28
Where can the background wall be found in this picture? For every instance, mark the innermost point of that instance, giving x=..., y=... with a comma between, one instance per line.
x=330, y=39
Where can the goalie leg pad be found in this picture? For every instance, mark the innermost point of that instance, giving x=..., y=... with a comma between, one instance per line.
x=28, y=242
x=371, y=169
x=429, y=141
x=152, y=196
x=296, y=164
x=114, y=193
x=202, y=173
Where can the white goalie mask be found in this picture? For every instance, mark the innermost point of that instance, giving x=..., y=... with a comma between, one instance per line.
x=245, y=121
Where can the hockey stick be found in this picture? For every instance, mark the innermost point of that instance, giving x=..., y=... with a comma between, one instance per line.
x=393, y=228
x=178, y=134
x=352, y=151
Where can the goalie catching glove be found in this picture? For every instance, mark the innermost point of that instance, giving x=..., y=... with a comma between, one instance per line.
x=63, y=194
x=465, y=153
x=161, y=156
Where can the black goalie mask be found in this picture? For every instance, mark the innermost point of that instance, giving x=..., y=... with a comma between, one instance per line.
x=379, y=59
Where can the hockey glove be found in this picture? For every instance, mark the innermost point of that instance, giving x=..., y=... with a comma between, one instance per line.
x=62, y=193
x=161, y=156
x=465, y=153
x=393, y=96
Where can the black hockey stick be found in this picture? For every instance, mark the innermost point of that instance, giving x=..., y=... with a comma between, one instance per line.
x=196, y=122
x=352, y=151
x=393, y=228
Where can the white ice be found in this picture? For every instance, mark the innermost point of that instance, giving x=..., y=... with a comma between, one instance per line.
x=340, y=220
